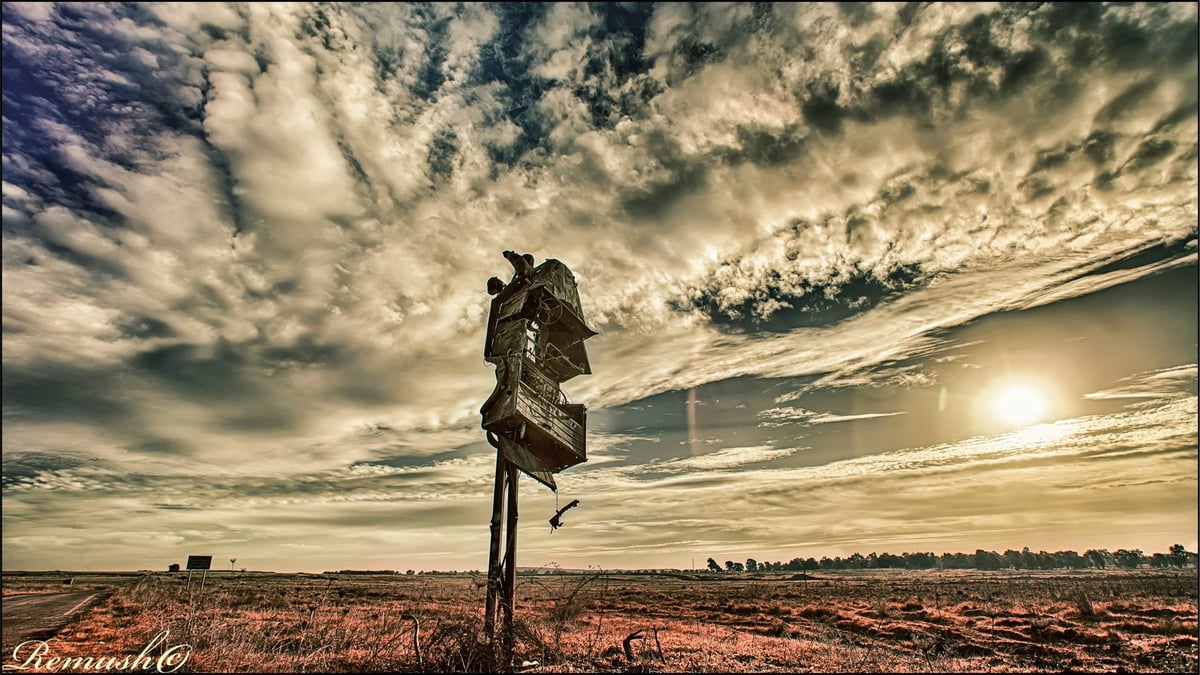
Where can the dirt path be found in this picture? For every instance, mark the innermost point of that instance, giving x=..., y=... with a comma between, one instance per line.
x=39, y=616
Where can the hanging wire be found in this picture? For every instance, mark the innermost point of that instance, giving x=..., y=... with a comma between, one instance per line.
x=552, y=528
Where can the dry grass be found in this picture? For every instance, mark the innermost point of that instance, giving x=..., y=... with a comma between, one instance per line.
x=841, y=622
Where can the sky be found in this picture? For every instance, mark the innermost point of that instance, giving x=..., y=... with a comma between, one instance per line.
x=867, y=277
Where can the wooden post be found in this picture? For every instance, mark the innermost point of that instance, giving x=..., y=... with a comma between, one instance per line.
x=495, y=572
x=510, y=565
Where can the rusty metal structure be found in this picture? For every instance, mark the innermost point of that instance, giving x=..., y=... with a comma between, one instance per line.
x=535, y=336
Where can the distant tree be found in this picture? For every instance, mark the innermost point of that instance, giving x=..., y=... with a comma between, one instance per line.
x=1129, y=559
x=980, y=559
x=1098, y=558
x=988, y=560
x=956, y=561
x=889, y=561
x=1179, y=555
x=1070, y=560
x=410, y=572
x=173, y=567
x=920, y=561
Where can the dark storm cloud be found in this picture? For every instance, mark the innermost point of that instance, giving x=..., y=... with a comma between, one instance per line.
x=980, y=57
x=438, y=480
x=24, y=467
x=679, y=177
x=144, y=327
x=66, y=392
x=73, y=70
x=767, y=147
x=609, y=77
x=232, y=380
x=215, y=374
x=785, y=304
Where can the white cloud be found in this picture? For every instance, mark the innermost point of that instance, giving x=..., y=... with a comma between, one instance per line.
x=726, y=458
x=1167, y=383
x=33, y=11
x=777, y=417
x=282, y=233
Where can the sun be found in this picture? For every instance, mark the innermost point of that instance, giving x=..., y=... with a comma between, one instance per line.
x=1019, y=404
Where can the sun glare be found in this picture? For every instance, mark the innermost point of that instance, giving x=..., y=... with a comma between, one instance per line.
x=1019, y=405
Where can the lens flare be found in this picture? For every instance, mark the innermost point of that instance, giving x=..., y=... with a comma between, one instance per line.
x=1019, y=405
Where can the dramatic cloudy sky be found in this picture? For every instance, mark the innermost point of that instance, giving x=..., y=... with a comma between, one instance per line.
x=245, y=250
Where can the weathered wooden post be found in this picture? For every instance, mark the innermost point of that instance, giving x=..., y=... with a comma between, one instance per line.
x=535, y=337
x=493, y=581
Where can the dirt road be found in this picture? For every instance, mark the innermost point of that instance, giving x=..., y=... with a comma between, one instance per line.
x=39, y=616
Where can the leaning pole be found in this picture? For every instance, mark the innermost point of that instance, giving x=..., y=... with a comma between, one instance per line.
x=535, y=336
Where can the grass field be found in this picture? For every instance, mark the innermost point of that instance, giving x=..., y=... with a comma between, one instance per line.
x=879, y=620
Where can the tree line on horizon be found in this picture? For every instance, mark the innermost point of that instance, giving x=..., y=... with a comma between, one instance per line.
x=1025, y=559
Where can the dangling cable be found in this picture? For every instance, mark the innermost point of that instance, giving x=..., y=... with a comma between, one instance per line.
x=552, y=528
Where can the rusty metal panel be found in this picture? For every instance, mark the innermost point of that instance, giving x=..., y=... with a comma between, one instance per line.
x=535, y=337
x=551, y=420
x=528, y=406
x=512, y=338
x=561, y=284
x=550, y=298
x=528, y=462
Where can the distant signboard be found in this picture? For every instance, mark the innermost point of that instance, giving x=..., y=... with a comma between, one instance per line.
x=199, y=562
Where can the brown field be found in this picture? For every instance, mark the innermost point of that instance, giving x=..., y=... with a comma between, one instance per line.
x=879, y=620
